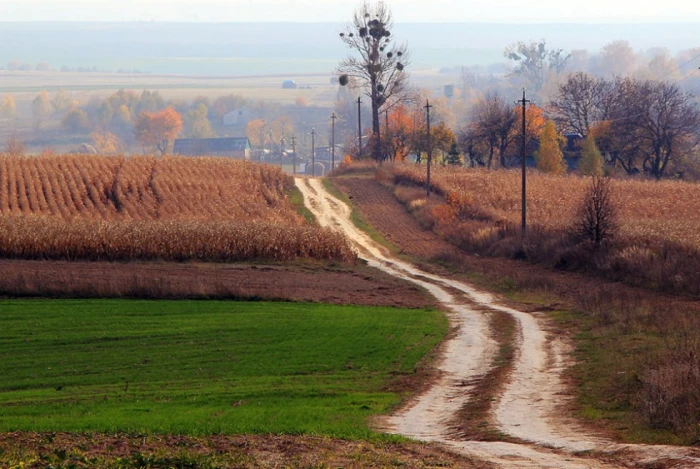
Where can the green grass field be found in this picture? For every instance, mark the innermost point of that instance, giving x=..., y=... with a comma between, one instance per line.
x=205, y=367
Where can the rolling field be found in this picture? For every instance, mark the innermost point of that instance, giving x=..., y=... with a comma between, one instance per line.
x=647, y=210
x=177, y=208
x=656, y=240
x=205, y=367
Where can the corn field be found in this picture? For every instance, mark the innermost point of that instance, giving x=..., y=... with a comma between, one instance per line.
x=117, y=208
x=647, y=210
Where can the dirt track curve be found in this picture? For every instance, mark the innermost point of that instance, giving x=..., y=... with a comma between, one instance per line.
x=529, y=408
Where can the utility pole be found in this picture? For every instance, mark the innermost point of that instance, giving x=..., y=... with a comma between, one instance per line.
x=430, y=148
x=386, y=129
x=270, y=144
x=313, y=152
x=523, y=143
x=294, y=154
x=359, y=128
x=333, y=118
x=283, y=144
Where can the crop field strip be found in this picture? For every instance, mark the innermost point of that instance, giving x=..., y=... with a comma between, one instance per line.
x=647, y=210
x=206, y=367
x=173, y=208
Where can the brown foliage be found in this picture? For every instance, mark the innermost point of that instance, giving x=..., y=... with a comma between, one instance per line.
x=158, y=129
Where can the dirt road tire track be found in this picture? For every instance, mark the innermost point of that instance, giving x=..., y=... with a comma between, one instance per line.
x=529, y=403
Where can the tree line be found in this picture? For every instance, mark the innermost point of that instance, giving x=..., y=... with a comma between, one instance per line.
x=641, y=124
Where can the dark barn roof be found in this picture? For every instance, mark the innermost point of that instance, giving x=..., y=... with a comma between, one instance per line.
x=207, y=146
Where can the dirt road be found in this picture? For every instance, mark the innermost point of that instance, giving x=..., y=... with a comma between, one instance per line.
x=528, y=410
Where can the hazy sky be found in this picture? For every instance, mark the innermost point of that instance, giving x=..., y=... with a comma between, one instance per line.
x=340, y=10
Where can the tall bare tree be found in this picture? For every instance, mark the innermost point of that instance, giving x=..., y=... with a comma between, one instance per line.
x=377, y=65
x=494, y=126
x=581, y=101
x=536, y=60
x=667, y=121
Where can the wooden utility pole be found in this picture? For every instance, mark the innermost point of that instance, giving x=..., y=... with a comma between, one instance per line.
x=294, y=154
x=270, y=144
x=523, y=161
x=430, y=148
x=333, y=118
x=359, y=128
x=313, y=152
x=386, y=131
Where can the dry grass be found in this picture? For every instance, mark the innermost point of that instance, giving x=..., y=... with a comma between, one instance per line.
x=661, y=210
x=658, y=237
x=116, y=208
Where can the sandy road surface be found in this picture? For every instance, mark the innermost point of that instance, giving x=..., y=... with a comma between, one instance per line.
x=528, y=406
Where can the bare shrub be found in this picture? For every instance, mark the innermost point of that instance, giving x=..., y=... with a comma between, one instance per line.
x=596, y=221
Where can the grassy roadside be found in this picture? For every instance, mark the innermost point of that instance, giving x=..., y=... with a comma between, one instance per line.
x=357, y=218
x=206, y=367
x=630, y=367
x=297, y=200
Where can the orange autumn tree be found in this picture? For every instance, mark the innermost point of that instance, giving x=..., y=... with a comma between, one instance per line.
x=158, y=129
x=534, y=123
x=401, y=127
x=255, y=131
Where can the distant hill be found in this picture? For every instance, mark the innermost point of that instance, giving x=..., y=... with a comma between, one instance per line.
x=267, y=48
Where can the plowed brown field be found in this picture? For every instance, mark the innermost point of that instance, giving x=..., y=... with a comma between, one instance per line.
x=315, y=283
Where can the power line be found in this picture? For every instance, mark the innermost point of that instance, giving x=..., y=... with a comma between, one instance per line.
x=679, y=67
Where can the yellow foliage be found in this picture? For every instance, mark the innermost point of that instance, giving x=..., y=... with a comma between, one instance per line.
x=550, y=158
x=105, y=142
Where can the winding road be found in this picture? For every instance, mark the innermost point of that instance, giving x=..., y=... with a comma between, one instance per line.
x=530, y=408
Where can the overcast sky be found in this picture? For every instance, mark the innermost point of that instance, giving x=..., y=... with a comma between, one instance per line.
x=340, y=10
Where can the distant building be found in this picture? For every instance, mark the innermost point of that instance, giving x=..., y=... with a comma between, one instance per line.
x=289, y=85
x=449, y=91
x=572, y=149
x=232, y=147
x=239, y=116
x=325, y=153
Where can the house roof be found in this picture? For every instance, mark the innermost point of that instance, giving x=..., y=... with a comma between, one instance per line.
x=204, y=146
